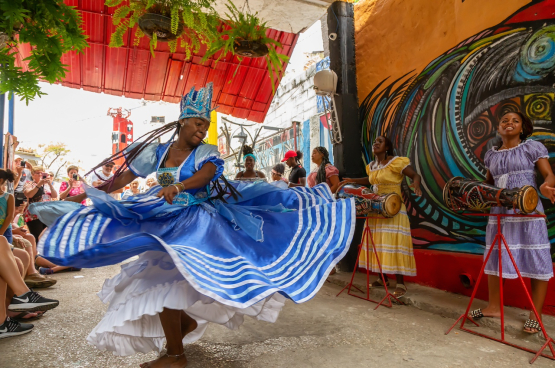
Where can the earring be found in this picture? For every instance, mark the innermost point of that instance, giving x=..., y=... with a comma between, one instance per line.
x=182, y=122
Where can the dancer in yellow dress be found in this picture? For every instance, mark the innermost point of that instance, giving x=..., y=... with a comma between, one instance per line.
x=391, y=235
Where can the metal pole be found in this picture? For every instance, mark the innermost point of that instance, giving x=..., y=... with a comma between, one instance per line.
x=2, y=105
x=295, y=134
x=11, y=113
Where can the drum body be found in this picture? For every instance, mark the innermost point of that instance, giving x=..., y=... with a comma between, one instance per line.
x=367, y=203
x=467, y=194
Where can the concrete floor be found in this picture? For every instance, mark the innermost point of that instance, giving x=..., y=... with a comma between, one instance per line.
x=324, y=332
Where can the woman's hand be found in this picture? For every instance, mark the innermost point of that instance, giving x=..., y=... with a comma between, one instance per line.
x=70, y=182
x=416, y=187
x=548, y=192
x=168, y=193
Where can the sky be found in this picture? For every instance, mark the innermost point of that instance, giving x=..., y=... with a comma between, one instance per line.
x=79, y=118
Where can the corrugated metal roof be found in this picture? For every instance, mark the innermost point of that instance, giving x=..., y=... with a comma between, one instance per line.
x=131, y=71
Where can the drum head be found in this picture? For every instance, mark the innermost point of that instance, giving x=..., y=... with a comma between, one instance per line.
x=528, y=199
x=392, y=204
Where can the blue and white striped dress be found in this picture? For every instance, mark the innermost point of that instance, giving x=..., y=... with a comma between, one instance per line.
x=216, y=261
x=526, y=237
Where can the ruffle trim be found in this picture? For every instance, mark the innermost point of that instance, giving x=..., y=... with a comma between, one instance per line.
x=495, y=148
x=133, y=326
x=372, y=167
x=544, y=156
x=545, y=277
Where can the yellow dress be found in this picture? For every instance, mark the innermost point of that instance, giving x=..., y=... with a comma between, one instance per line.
x=391, y=235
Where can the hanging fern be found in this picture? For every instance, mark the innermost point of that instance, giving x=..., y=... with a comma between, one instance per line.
x=198, y=16
x=138, y=36
x=51, y=28
x=173, y=45
x=246, y=26
x=154, y=43
x=175, y=19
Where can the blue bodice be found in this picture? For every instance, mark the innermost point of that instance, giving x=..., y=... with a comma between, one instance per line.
x=151, y=160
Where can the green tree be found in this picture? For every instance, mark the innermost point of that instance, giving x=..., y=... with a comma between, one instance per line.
x=52, y=28
x=52, y=154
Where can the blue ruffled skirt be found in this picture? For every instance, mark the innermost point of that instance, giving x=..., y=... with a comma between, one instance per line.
x=217, y=261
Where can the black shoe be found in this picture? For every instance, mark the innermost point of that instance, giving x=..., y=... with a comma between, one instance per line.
x=12, y=328
x=31, y=302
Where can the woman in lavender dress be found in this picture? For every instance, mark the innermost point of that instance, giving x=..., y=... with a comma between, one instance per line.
x=512, y=166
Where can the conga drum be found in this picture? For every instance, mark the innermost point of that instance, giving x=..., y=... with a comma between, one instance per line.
x=366, y=202
x=467, y=194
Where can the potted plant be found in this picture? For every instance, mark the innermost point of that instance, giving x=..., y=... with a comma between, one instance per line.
x=244, y=35
x=192, y=22
x=51, y=28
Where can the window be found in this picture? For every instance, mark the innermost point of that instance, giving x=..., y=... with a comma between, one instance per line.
x=122, y=138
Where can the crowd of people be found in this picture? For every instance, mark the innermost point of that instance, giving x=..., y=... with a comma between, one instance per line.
x=23, y=269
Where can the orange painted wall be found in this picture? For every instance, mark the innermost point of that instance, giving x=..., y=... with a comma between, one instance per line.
x=394, y=37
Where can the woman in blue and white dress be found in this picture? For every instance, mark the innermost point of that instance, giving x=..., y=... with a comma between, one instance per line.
x=209, y=250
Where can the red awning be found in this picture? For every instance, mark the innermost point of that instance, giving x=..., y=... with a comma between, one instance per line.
x=131, y=71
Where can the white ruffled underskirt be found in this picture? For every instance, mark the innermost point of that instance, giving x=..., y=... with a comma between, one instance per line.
x=144, y=288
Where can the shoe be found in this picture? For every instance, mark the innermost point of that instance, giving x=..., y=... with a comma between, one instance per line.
x=46, y=271
x=12, y=328
x=30, y=302
x=37, y=281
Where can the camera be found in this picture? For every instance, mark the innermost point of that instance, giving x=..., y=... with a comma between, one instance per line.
x=44, y=176
x=75, y=177
x=22, y=163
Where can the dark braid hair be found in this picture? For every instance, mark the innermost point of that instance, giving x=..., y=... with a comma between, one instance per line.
x=279, y=168
x=299, y=157
x=389, y=145
x=321, y=175
x=7, y=175
x=140, y=145
x=247, y=150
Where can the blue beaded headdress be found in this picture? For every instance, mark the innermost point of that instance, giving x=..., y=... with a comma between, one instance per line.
x=197, y=104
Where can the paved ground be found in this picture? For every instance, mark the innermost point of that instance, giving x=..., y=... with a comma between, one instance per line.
x=324, y=332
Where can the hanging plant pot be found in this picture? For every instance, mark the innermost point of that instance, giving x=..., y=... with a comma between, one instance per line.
x=151, y=23
x=250, y=48
x=4, y=38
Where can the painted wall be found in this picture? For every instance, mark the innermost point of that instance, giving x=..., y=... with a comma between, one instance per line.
x=435, y=76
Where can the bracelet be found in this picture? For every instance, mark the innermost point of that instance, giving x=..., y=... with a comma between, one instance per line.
x=176, y=187
x=182, y=186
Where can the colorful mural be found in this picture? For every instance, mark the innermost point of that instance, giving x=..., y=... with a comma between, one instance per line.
x=445, y=117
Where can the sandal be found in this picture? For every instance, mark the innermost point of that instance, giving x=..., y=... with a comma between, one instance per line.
x=402, y=287
x=380, y=283
x=20, y=317
x=477, y=314
x=532, y=324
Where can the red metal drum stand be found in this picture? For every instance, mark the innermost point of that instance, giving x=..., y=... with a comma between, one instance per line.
x=501, y=241
x=367, y=234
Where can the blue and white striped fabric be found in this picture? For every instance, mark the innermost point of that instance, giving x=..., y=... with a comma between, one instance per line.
x=297, y=237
